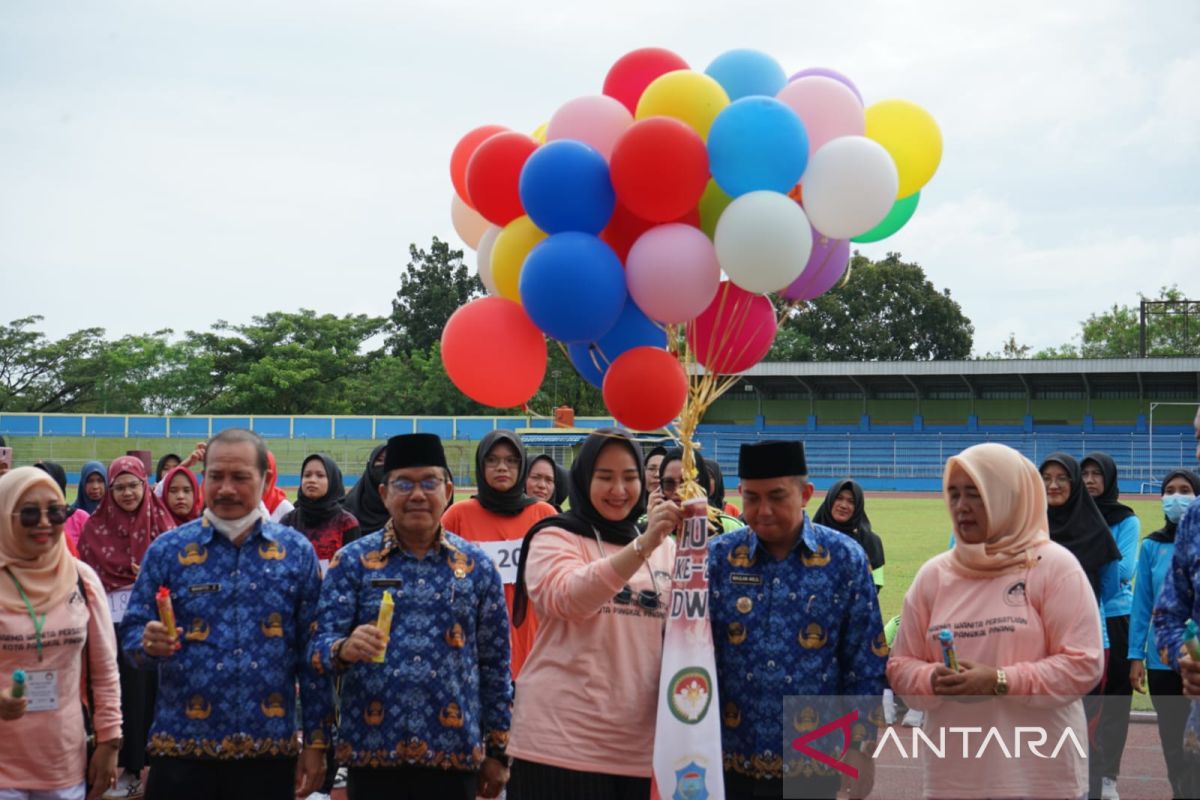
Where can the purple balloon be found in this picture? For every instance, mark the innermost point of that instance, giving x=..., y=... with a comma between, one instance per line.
x=825, y=267
x=825, y=72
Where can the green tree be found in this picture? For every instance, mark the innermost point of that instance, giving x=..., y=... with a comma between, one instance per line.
x=886, y=311
x=1116, y=333
x=40, y=375
x=435, y=284
x=1010, y=349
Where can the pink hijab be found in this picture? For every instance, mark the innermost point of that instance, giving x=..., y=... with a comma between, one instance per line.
x=47, y=580
x=1015, y=500
x=113, y=540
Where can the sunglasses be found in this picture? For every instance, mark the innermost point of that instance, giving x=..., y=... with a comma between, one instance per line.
x=646, y=598
x=30, y=516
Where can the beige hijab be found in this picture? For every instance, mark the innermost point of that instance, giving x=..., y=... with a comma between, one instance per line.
x=47, y=580
x=1015, y=500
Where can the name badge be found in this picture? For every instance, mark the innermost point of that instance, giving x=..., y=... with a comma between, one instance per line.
x=394, y=583
x=41, y=690
x=118, y=603
x=204, y=588
x=745, y=579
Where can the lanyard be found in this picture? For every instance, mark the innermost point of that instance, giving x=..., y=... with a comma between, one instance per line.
x=38, y=623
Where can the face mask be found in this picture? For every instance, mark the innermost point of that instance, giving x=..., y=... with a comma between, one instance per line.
x=233, y=528
x=1174, y=506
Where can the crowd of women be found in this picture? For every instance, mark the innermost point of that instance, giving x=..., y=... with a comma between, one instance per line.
x=1052, y=540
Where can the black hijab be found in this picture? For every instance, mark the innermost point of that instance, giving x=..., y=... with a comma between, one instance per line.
x=561, y=478
x=363, y=501
x=314, y=513
x=716, y=498
x=513, y=501
x=583, y=519
x=703, y=474
x=55, y=471
x=1166, y=533
x=161, y=468
x=1078, y=524
x=1113, y=511
x=858, y=527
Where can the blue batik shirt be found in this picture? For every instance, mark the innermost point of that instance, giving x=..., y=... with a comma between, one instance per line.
x=1179, y=601
x=806, y=625
x=247, y=614
x=444, y=691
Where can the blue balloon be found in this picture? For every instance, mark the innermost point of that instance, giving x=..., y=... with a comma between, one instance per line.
x=757, y=143
x=573, y=287
x=565, y=187
x=633, y=329
x=743, y=73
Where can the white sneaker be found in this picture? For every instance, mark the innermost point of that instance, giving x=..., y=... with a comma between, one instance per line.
x=1108, y=789
x=339, y=780
x=319, y=796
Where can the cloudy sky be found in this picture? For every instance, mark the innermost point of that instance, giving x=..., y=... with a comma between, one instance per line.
x=168, y=164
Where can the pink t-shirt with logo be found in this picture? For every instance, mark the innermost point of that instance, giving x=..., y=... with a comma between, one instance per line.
x=1042, y=626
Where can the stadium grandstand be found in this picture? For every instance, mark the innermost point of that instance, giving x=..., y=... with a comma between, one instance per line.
x=890, y=425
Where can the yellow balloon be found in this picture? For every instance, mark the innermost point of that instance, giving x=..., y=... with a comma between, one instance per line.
x=911, y=136
x=712, y=205
x=508, y=255
x=539, y=133
x=690, y=97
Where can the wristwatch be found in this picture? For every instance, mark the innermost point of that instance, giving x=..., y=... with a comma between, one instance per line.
x=1001, y=688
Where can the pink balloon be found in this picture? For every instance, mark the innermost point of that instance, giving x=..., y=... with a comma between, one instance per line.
x=672, y=272
x=827, y=108
x=597, y=120
x=825, y=267
x=734, y=333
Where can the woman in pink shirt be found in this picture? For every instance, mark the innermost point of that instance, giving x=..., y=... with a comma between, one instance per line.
x=1026, y=629
x=584, y=715
x=47, y=627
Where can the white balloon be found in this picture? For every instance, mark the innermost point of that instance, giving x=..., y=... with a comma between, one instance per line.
x=485, y=258
x=849, y=187
x=763, y=241
x=469, y=224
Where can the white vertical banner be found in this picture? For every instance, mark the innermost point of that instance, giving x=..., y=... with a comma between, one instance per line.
x=687, y=737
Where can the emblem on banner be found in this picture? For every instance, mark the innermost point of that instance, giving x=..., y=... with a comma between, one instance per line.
x=689, y=783
x=690, y=694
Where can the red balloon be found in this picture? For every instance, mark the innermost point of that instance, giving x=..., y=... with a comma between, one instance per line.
x=659, y=169
x=493, y=353
x=494, y=175
x=645, y=388
x=734, y=333
x=634, y=71
x=462, y=156
x=625, y=227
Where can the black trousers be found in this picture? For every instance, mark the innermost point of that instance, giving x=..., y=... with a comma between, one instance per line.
x=740, y=787
x=532, y=781
x=1166, y=693
x=139, y=691
x=211, y=779
x=1118, y=696
x=410, y=783
x=1093, y=708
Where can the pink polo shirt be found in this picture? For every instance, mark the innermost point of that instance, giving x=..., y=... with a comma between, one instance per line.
x=586, y=697
x=46, y=749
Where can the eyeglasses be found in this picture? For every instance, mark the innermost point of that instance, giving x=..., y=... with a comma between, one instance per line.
x=495, y=461
x=30, y=516
x=646, y=598
x=669, y=485
x=402, y=486
x=1054, y=480
x=120, y=488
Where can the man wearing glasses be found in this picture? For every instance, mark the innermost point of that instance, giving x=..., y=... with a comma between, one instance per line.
x=426, y=695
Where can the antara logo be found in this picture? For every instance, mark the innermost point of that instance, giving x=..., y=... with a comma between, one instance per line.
x=842, y=723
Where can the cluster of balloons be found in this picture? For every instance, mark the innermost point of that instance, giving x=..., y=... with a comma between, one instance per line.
x=674, y=197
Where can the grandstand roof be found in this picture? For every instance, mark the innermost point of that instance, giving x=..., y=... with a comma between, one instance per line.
x=1147, y=376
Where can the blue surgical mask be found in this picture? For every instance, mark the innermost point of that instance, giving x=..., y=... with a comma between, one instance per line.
x=1174, y=506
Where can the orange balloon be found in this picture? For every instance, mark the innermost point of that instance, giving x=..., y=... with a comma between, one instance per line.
x=493, y=353
x=462, y=156
x=645, y=388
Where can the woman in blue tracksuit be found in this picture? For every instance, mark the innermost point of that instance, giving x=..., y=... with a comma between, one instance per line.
x=1099, y=472
x=1146, y=666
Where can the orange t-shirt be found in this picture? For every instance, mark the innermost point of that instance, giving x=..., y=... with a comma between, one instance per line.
x=473, y=522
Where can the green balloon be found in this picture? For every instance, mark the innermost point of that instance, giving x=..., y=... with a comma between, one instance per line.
x=901, y=213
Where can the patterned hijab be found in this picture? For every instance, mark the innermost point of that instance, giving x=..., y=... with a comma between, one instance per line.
x=47, y=580
x=114, y=540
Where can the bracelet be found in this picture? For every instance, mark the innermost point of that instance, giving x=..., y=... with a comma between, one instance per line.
x=637, y=548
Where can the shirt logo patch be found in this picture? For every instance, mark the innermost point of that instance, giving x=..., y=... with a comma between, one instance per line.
x=818, y=559
x=272, y=552
x=461, y=564
x=198, y=708
x=197, y=631
x=193, y=554
x=373, y=560
x=737, y=633
x=373, y=714
x=455, y=636
x=272, y=626
x=740, y=556
x=1015, y=595
x=689, y=694
x=273, y=706
x=451, y=716
x=731, y=715
x=813, y=637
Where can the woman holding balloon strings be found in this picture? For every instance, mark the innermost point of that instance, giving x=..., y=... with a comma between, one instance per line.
x=1147, y=667
x=585, y=709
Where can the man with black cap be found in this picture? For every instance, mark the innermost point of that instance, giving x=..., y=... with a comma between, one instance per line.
x=794, y=612
x=426, y=700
